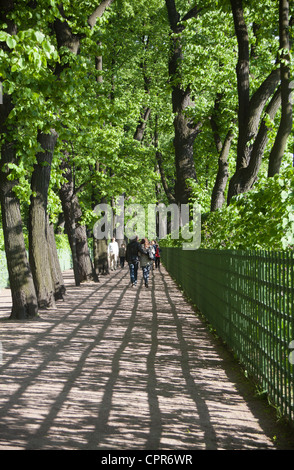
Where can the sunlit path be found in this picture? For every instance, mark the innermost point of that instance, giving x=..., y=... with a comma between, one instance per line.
x=115, y=367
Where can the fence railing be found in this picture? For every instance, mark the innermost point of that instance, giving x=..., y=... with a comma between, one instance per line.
x=247, y=296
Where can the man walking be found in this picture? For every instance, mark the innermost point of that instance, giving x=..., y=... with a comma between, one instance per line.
x=113, y=254
x=122, y=255
x=132, y=257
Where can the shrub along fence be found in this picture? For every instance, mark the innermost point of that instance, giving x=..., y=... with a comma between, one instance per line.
x=65, y=259
x=247, y=296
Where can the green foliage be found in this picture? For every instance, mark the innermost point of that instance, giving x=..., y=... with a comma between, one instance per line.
x=62, y=242
x=260, y=219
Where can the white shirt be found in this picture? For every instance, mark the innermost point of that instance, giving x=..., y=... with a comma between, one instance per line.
x=113, y=248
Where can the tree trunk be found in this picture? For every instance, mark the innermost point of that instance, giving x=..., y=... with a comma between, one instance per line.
x=169, y=194
x=139, y=133
x=77, y=233
x=56, y=274
x=185, y=129
x=100, y=256
x=39, y=253
x=24, y=300
x=251, y=132
x=218, y=192
x=185, y=136
x=242, y=71
x=286, y=121
x=244, y=178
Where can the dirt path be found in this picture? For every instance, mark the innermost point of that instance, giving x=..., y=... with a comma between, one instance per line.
x=115, y=367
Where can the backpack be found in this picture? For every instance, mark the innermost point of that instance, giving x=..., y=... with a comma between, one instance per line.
x=150, y=254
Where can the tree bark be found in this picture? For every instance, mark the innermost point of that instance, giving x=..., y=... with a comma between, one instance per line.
x=56, y=273
x=100, y=256
x=99, y=12
x=186, y=130
x=77, y=233
x=244, y=178
x=139, y=133
x=285, y=127
x=39, y=253
x=218, y=192
x=24, y=300
x=169, y=194
x=242, y=71
x=251, y=130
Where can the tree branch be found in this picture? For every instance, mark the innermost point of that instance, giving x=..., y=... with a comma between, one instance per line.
x=192, y=13
x=98, y=13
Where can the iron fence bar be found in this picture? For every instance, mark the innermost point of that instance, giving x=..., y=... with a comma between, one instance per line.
x=247, y=296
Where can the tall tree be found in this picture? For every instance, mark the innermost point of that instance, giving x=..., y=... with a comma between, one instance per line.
x=66, y=40
x=24, y=300
x=251, y=134
x=285, y=128
x=186, y=130
x=39, y=241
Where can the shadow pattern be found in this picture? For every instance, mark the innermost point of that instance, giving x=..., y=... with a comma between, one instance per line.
x=116, y=367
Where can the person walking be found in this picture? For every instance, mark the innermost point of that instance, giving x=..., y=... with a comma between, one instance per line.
x=122, y=255
x=132, y=258
x=157, y=256
x=153, y=248
x=113, y=254
x=146, y=260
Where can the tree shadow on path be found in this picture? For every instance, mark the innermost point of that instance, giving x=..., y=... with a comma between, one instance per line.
x=115, y=367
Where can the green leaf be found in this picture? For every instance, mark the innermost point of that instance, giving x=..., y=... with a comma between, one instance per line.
x=39, y=36
x=11, y=42
x=3, y=36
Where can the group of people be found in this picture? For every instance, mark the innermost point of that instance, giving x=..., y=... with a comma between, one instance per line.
x=116, y=253
x=143, y=252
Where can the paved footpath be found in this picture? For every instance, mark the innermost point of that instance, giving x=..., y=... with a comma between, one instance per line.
x=121, y=368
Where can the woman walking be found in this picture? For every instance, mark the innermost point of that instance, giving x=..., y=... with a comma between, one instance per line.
x=146, y=260
x=157, y=256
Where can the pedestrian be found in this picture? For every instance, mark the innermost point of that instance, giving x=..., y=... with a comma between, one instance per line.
x=153, y=247
x=122, y=255
x=146, y=260
x=157, y=256
x=132, y=257
x=112, y=254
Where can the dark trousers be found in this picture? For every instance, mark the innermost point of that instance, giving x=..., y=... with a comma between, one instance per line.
x=157, y=262
x=146, y=272
x=133, y=266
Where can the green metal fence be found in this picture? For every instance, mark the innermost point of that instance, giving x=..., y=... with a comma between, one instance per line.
x=247, y=296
